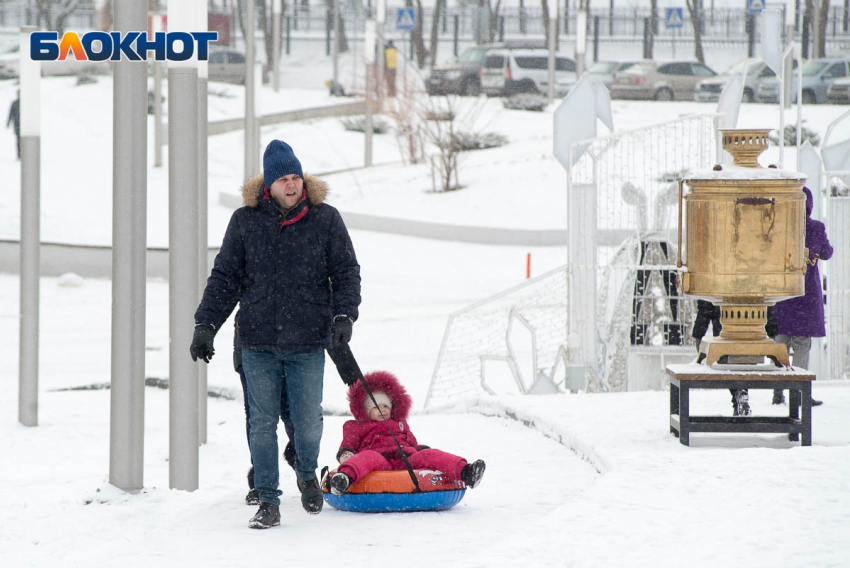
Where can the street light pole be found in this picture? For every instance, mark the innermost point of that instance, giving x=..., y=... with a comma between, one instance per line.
x=183, y=171
x=30, y=122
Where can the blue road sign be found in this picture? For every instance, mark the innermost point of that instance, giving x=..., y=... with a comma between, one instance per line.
x=406, y=19
x=755, y=6
x=675, y=18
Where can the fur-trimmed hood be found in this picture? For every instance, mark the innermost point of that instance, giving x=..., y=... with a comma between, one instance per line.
x=379, y=381
x=252, y=190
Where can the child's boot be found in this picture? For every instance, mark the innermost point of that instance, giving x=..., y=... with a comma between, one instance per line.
x=472, y=473
x=339, y=483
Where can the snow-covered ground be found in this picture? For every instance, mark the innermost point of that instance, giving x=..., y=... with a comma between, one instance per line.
x=572, y=479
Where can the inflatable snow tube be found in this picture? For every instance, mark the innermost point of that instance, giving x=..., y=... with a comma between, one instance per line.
x=393, y=492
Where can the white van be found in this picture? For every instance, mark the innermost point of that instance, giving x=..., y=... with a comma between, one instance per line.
x=510, y=71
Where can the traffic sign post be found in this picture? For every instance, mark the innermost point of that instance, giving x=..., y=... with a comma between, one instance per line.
x=755, y=6
x=406, y=19
x=674, y=18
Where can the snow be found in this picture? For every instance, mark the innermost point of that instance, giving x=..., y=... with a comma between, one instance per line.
x=572, y=479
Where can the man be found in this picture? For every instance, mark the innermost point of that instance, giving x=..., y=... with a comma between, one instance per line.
x=287, y=258
x=15, y=120
x=391, y=62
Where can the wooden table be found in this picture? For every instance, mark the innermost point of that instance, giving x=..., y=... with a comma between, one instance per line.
x=689, y=376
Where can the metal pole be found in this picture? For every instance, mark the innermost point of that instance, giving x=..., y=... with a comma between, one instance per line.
x=30, y=117
x=380, y=21
x=335, y=44
x=251, y=158
x=788, y=64
x=277, y=8
x=203, y=74
x=553, y=29
x=129, y=249
x=182, y=258
x=581, y=41
x=156, y=26
x=369, y=56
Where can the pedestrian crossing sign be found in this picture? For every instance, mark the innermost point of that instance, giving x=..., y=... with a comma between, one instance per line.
x=674, y=18
x=755, y=6
x=406, y=19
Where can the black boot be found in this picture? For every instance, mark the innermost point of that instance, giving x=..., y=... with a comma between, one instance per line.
x=311, y=496
x=472, y=473
x=253, y=496
x=267, y=516
x=778, y=396
x=289, y=454
x=741, y=403
x=339, y=483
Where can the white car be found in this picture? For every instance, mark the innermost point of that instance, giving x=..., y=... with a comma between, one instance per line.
x=10, y=65
x=708, y=90
x=511, y=71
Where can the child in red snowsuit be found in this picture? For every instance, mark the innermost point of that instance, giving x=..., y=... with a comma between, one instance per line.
x=368, y=446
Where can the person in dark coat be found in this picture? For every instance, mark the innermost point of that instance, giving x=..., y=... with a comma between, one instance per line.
x=368, y=444
x=289, y=261
x=15, y=120
x=709, y=315
x=800, y=319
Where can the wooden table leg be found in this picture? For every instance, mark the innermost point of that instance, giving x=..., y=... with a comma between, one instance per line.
x=794, y=398
x=807, y=414
x=684, y=414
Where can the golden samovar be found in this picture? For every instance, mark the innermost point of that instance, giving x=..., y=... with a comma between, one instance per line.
x=744, y=246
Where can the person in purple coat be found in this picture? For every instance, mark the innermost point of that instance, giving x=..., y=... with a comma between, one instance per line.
x=800, y=319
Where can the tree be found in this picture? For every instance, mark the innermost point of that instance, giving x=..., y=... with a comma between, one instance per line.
x=817, y=12
x=696, y=12
x=53, y=13
x=418, y=41
x=435, y=29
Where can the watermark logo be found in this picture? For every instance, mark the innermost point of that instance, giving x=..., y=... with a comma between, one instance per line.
x=134, y=46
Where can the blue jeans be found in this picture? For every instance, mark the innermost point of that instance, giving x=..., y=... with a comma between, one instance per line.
x=301, y=373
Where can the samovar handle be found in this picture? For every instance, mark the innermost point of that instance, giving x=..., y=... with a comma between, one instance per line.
x=679, y=246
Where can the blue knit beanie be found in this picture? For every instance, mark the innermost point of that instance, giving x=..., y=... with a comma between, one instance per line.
x=279, y=160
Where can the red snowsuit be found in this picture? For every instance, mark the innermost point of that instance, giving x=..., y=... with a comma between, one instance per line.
x=370, y=440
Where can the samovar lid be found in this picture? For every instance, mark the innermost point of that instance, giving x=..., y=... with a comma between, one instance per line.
x=745, y=146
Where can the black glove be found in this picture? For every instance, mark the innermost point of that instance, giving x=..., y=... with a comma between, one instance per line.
x=345, y=364
x=202, y=343
x=342, y=329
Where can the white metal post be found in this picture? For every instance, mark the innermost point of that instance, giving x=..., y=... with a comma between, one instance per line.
x=251, y=149
x=182, y=257
x=277, y=9
x=156, y=26
x=581, y=41
x=369, y=57
x=30, y=122
x=553, y=31
x=129, y=249
x=202, y=24
x=335, y=44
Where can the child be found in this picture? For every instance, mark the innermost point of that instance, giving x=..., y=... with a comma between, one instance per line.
x=368, y=446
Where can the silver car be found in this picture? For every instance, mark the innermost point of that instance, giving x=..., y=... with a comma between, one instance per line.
x=708, y=90
x=226, y=65
x=673, y=80
x=818, y=75
x=604, y=71
x=839, y=92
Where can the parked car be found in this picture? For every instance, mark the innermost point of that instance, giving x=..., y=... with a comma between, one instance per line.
x=461, y=77
x=708, y=90
x=604, y=71
x=839, y=91
x=511, y=71
x=818, y=75
x=667, y=81
x=10, y=65
x=226, y=65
